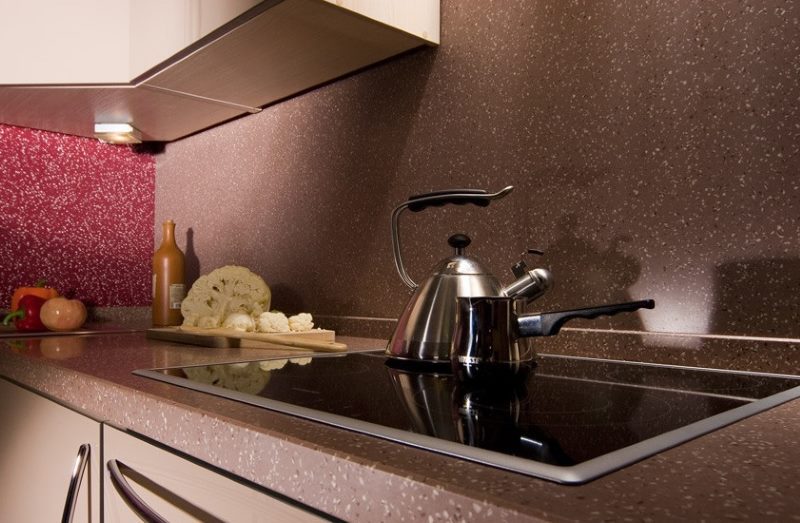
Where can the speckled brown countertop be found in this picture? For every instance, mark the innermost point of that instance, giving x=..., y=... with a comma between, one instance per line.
x=745, y=471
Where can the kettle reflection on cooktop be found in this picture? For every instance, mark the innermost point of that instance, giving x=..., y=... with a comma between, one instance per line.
x=568, y=420
x=475, y=414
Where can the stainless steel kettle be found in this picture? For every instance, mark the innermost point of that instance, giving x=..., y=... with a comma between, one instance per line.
x=463, y=312
x=425, y=328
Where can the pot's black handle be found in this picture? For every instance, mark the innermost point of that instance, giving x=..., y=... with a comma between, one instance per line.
x=549, y=323
x=478, y=197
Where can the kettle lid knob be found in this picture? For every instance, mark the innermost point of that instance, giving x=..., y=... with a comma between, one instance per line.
x=459, y=242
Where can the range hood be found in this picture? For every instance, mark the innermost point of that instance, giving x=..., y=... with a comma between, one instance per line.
x=270, y=52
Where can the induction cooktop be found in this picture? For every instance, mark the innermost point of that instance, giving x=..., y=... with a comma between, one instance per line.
x=570, y=420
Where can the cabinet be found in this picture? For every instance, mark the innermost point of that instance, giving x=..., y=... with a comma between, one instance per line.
x=270, y=51
x=39, y=449
x=97, y=41
x=178, y=489
x=40, y=444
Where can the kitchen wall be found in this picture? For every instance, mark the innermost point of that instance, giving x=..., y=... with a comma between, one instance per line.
x=78, y=213
x=653, y=147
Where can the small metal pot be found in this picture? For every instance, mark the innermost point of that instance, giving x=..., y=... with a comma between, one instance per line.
x=489, y=337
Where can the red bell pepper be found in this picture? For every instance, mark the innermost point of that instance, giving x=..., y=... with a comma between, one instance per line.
x=38, y=289
x=26, y=317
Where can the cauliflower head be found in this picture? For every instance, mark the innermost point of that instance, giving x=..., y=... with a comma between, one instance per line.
x=222, y=292
x=247, y=378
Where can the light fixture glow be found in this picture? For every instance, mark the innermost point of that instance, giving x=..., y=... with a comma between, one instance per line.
x=117, y=133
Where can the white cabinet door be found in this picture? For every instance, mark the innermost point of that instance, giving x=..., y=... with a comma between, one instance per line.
x=102, y=42
x=39, y=443
x=181, y=490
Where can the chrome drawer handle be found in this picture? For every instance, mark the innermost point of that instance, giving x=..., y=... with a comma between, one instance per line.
x=81, y=461
x=134, y=501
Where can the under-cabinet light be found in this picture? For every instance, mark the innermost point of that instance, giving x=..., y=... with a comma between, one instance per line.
x=117, y=133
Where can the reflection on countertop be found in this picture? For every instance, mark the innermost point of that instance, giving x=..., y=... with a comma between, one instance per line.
x=8, y=331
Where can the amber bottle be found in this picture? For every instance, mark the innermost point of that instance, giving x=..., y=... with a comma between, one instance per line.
x=168, y=284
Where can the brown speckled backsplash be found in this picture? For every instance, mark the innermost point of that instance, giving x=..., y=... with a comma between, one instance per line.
x=653, y=147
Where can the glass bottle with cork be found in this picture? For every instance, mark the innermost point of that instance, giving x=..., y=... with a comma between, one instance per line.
x=169, y=287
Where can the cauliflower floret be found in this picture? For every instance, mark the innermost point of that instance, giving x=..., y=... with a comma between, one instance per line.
x=273, y=322
x=268, y=365
x=239, y=321
x=224, y=291
x=300, y=361
x=301, y=322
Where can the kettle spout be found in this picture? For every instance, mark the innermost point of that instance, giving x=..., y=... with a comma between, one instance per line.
x=530, y=285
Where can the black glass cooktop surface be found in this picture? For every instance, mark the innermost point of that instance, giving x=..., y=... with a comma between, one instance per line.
x=570, y=420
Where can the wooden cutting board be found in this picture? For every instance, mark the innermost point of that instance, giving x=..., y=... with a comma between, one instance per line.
x=317, y=339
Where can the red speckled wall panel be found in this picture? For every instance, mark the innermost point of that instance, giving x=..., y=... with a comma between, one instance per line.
x=78, y=213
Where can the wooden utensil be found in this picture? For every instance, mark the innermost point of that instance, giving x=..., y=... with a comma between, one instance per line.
x=230, y=338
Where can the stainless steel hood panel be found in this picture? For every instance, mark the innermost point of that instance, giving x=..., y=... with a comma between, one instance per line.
x=275, y=50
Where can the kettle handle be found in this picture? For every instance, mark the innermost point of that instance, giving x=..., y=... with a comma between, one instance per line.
x=421, y=202
x=478, y=197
